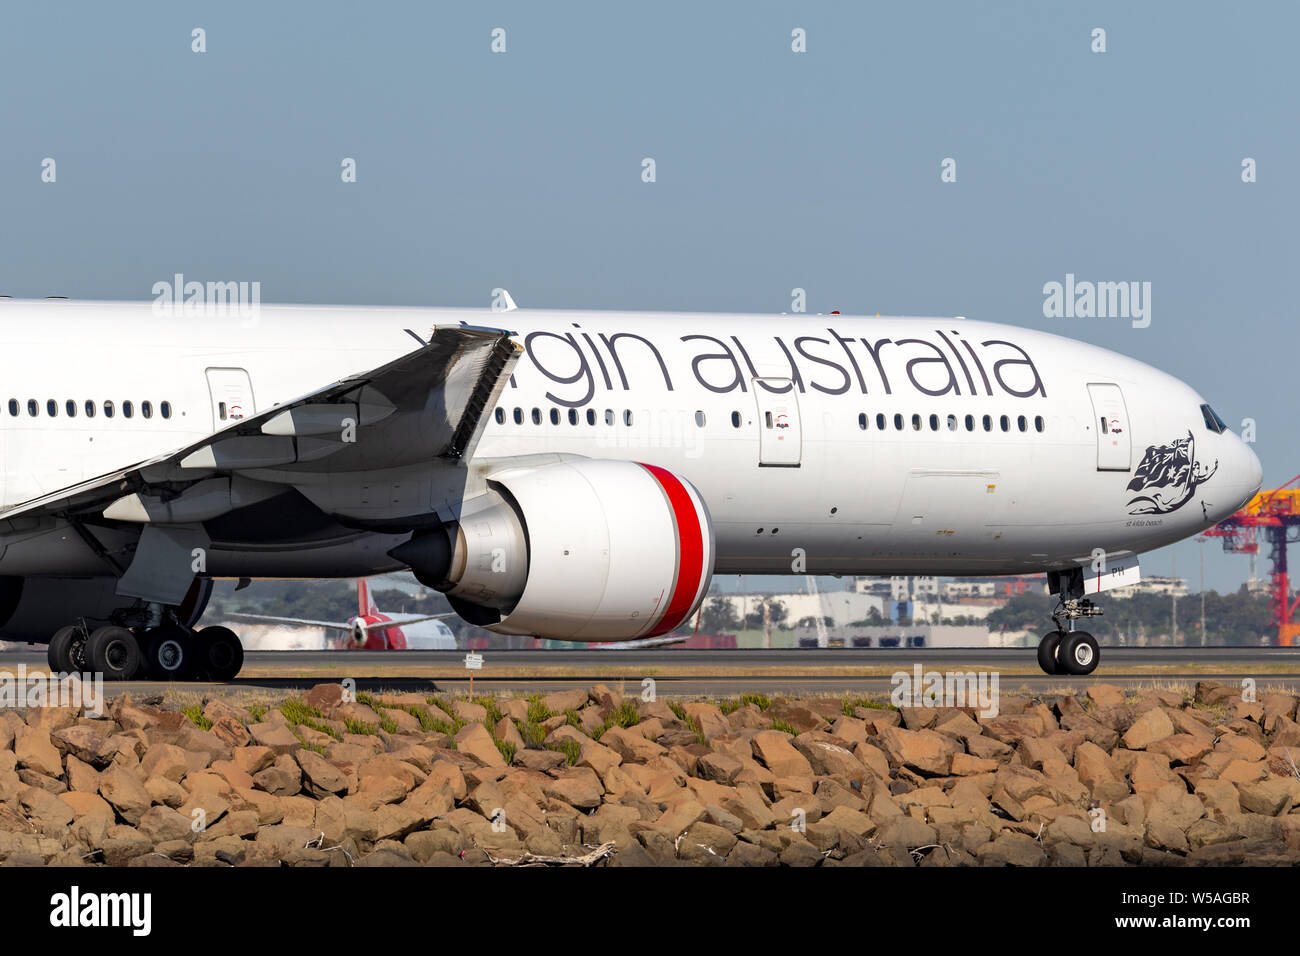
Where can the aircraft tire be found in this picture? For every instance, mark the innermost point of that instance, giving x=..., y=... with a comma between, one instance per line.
x=168, y=654
x=114, y=652
x=59, y=651
x=1047, y=652
x=219, y=653
x=1078, y=654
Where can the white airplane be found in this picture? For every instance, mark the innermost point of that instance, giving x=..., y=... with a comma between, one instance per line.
x=372, y=629
x=569, y=475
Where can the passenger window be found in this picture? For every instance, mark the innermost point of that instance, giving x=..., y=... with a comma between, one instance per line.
x=537, y=416
x=988, y=423
x=108, y=409
x=128, y=409
x=934, y=423
x=862, y=421
x=146, y=409
x=71, y=408
x=898, y=422
x=970, y=423
x=627, y=417
x=500, y=416
x=699, y=419
x=555, y=416
x=52, y=408
x=591, y=416
x=1021, y=423
x=1005, y=423
x=609, y=416
x=13, y=407
x=573, y=416
x=735, y=419
x=880, y=421
x=916, y=423
x=1038, y=423
x=519, y=415
x=90, y=409
x=32, y=408
x=166, y=409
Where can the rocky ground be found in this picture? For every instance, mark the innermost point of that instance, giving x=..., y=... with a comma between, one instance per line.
x=595, y=778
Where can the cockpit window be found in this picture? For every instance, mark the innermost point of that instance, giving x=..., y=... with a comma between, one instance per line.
x=1212, y=421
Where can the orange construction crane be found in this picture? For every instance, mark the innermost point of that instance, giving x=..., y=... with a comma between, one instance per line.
x=1275, y=515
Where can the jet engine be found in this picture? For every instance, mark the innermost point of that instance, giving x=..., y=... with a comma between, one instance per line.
x=583, y=550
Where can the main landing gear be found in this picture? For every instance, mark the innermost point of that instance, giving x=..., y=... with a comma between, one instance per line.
x=147, y=643
x=1066, y=650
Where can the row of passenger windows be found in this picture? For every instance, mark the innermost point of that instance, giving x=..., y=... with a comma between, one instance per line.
x=610, y=416
x=950, y=422
x=109, y=407
x=1004, y=422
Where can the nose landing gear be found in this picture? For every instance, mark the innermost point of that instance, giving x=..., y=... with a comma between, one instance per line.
x=1066, y=650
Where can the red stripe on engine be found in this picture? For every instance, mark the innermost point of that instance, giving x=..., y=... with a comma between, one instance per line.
x=690, y=545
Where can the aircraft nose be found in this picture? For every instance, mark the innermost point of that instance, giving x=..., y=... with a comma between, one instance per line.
x=1248, y=474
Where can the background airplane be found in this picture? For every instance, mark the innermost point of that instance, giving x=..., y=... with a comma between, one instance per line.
x=372, y=629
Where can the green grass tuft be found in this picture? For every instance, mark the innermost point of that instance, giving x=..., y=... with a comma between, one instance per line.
x=571, y=749
x=195, y=713
x=533, y=733
x=537, y=711
x=354, y=726
x=625, y=715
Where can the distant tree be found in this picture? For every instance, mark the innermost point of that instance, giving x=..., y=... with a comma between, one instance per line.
x=719, y=616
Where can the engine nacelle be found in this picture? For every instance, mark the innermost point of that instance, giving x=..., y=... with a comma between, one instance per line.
x=584, y=550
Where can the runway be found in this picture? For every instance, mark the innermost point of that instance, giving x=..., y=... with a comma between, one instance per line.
x=718, y=672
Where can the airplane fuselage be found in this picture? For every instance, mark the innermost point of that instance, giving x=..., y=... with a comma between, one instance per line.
x=820, y=444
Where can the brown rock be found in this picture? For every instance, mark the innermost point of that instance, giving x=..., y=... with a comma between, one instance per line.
x=163, y=823
x=924, y=751
x=629, y=744
x=1106, y=695
x=33, y=748
x=721, y=768
x=1152, y=726
x=579, y=787
x=276, y=736
x=124, y=791
x=322, y=778
x=475, y=741
x=85, y=804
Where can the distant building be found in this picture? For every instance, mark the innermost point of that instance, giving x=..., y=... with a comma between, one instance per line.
x=895, y=635
x=1169, y=587
x=842, y=607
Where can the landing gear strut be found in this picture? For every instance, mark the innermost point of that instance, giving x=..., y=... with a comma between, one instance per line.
x=1066, y=650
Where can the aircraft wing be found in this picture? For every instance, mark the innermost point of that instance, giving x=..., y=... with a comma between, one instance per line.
x=364, y=450
x=408, y=620
x=644, y=642
x=298, y=621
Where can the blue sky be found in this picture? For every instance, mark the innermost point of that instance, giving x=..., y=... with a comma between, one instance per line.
x=775, y=170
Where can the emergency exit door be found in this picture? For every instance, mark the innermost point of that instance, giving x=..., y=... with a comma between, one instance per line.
x=1110, y=421
x=780, y=437
x=232, y=396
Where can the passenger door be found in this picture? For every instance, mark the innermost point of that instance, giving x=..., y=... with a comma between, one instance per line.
x=780, y=435
x=232, y=396
x=1110, y=419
